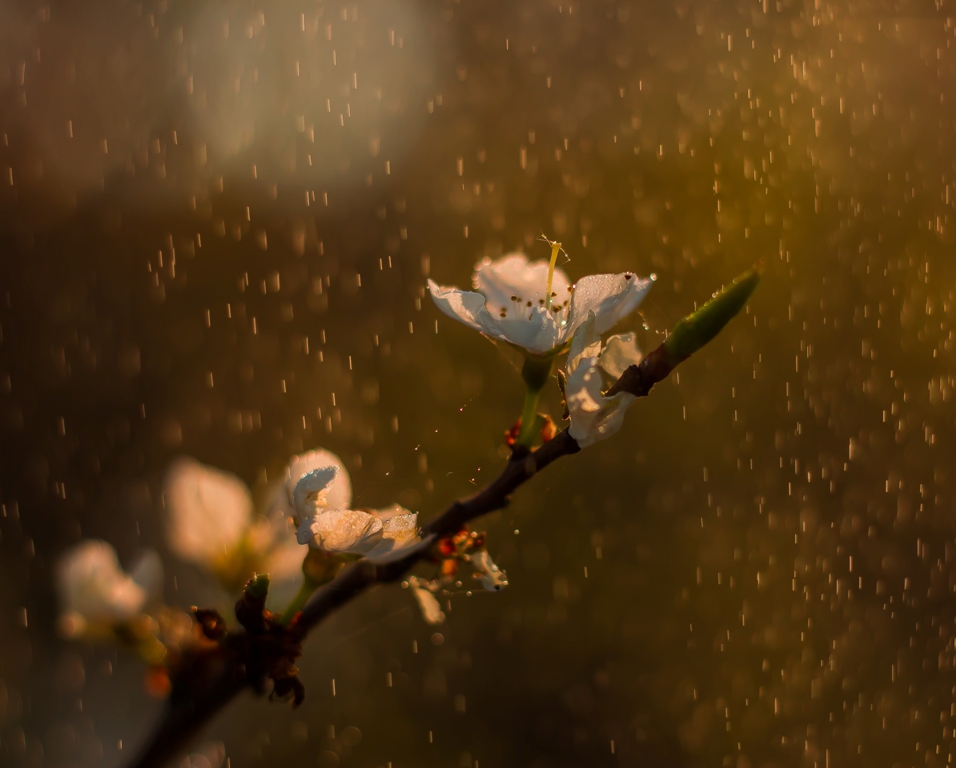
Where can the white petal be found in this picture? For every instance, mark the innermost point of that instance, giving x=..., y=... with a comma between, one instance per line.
x=513, y=275
x=534, y=329
x=341, y=530
x=609, y=297
x=272, y=540
x=275, y=537
x=285, y=561
x=538, y=331
x=311, y=493
x=148, y=574
x=594, y=421
x=593, y=416
x=492, y=577
x=208, y=511
x=399, y=530
x=458, y=304
x=339, y=493
x=93, y=588
x=585, y=346
x=620, y=353
x=402, y=530
x=284, y=566
x=427, y=602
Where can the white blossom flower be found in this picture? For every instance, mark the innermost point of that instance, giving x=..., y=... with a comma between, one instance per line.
x=97, y=595
x=424, y=592
x=208, y=512
x=376, y=535
x=594, y=416
x=211, y=522
x=534, y=306
x=491, y=576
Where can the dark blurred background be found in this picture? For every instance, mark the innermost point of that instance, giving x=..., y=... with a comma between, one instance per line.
x=216, y=222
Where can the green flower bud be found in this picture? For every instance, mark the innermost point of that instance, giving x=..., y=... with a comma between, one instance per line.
x=699, y=327
x=258, y=586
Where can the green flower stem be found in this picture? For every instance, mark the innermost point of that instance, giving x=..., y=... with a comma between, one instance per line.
x=535, y=373
x=301, y=598
x=529, y=418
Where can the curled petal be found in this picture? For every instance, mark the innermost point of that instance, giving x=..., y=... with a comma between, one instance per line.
x=208, y=511
x=464, y=306
x=340, y=530
x=311, y=494
x=340, y=490
x=619, y=353
x=594, y=416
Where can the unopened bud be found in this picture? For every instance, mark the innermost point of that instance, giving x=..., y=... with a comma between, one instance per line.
x=699, y=327
x=250, y=608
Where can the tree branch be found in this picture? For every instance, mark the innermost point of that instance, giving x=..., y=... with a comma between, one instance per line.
x=211, y=680
x=204, y=684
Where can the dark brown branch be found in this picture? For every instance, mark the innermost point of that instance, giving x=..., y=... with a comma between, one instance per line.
x=639, y=380
x=494, y=496
x=212, y=679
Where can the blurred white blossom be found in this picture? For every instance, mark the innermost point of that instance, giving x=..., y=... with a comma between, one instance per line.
x=208, y=511
x=594, y=416
x=211, y=522
x=512, y=302
x=491, y=576
x=97, y=595
x=424, y=592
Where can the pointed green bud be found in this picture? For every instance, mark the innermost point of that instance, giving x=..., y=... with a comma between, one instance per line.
x=251, y=606
x=699, y=327
x=258, y=586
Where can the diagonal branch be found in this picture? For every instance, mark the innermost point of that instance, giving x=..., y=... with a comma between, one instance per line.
x=207, y=684
x=204, y=685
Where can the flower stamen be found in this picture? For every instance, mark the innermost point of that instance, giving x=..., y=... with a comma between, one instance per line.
x=555, y=250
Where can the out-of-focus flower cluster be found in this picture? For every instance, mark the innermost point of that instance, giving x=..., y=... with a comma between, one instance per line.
x=464, y=548
x=301, y=535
